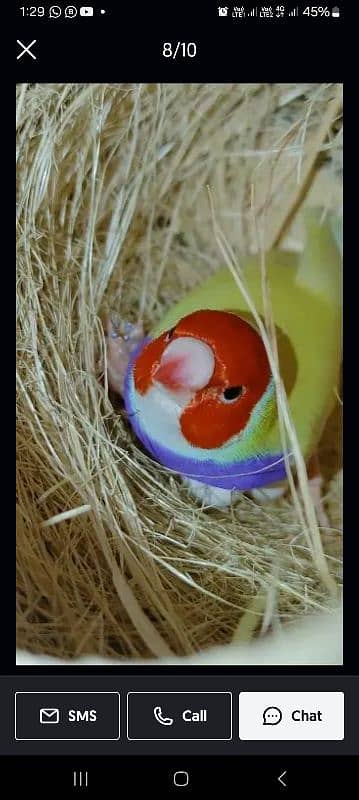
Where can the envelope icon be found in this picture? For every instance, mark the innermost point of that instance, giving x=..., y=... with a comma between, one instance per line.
x=49, y=716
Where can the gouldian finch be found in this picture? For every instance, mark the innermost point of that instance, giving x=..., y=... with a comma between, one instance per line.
x=199, y=391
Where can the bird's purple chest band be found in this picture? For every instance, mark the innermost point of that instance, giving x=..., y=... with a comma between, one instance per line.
x=250, y=473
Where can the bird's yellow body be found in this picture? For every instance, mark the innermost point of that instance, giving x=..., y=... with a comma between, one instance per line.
x=306, y=297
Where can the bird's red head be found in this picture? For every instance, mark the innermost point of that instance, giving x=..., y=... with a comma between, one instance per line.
x=219, y=362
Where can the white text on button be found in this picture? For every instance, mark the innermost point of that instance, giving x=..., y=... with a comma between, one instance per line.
x=195, y=716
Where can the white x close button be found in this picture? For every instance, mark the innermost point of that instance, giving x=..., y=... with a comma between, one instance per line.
x=26, y=49
x=283, y=716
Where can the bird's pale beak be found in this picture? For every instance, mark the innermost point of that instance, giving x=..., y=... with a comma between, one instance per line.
x=186, y=364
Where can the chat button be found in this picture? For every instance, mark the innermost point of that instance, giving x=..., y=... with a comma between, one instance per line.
x=281, y=716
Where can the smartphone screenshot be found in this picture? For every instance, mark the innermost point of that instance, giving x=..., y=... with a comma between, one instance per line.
x=185, y=609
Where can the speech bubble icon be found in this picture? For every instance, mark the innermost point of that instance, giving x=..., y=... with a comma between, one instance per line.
x=272, y=715
x=55, y=11
x=70, y=12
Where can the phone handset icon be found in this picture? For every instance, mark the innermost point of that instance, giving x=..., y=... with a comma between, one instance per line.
x=160, y=718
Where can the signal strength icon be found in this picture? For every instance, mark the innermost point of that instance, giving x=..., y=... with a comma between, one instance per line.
x=293, y=13
x=253, y=13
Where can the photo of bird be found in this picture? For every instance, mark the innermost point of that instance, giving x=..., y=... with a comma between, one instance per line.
x=179, y=403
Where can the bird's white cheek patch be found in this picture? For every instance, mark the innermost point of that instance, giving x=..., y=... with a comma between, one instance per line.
x=159, y=411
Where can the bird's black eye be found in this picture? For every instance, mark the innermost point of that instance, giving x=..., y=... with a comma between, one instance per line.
x=232, y=393
x=169, y=334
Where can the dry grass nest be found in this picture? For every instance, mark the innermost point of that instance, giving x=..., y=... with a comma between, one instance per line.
x=114, y=557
